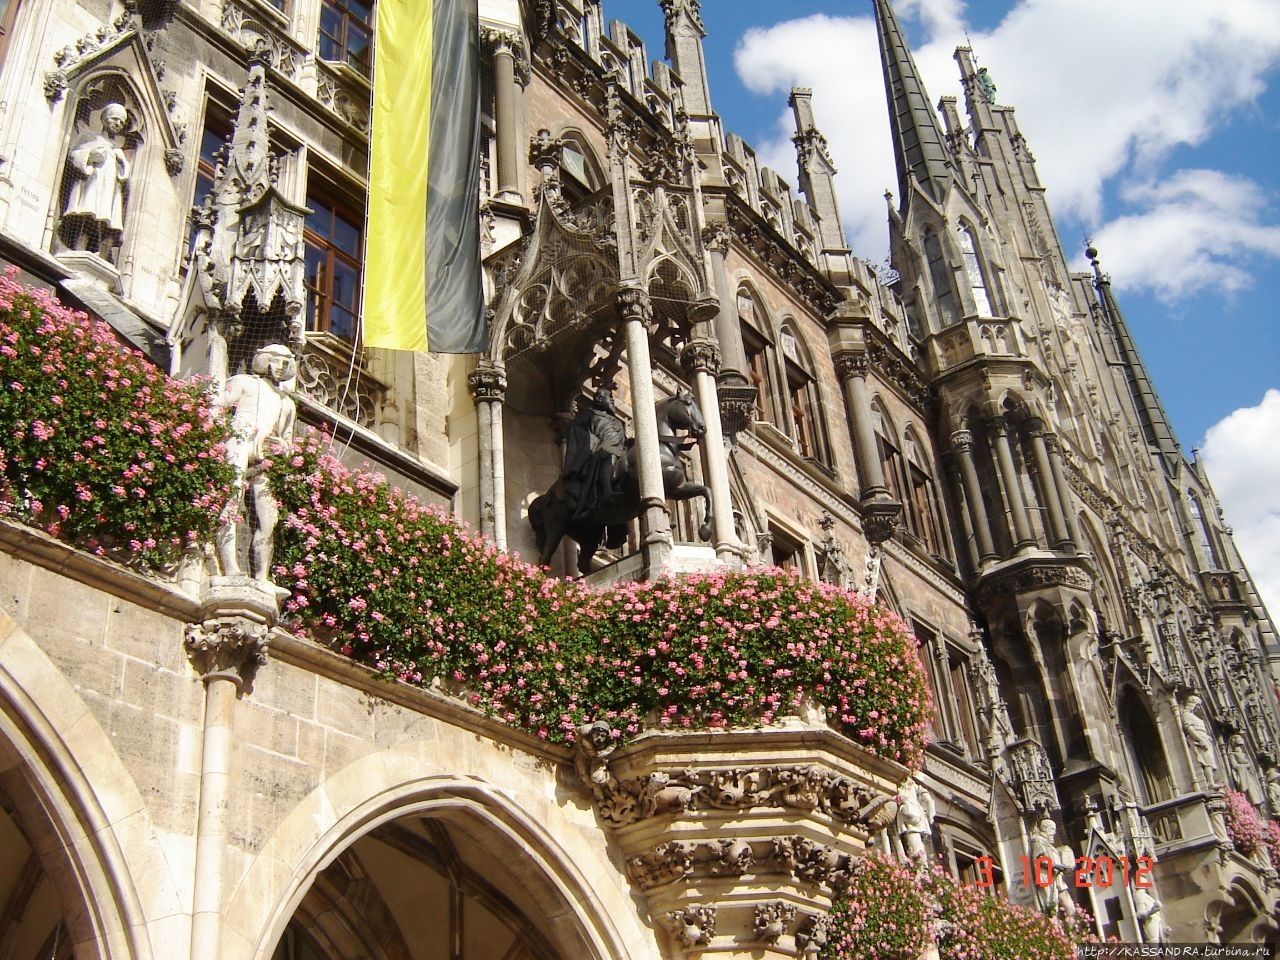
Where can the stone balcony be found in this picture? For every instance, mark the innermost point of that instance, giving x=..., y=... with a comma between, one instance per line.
x=741, y=839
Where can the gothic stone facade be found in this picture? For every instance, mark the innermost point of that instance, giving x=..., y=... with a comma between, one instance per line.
x=968, y=433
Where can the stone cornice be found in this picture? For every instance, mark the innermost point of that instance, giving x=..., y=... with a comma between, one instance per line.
x=784, y=262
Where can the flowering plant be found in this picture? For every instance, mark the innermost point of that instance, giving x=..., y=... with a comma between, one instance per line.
x=890, y=912
x=730, y=649
x=979, y=926
x=887, y=913
x=97, y=447
x=1245, y=826
x=409, y=590
x=1273, y=841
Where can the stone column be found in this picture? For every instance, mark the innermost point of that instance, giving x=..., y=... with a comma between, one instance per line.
x=962, y=444
x=1059, y=474
x=655, y=523
x=701, y=358
x=1034, y=430
x=226, y=648
x=852, y=369
x=998, y=434
x=736, y=393
x=508, y=84
x=488, y=385
x=955, y=476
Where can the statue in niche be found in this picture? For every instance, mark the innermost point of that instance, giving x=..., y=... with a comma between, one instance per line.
x=1273, y=791
x=1242, y=769
x=1201, y=743
x=915, y=819
x=98, y=172
x=598, y=492
x=1054, y=897
x=262, y=417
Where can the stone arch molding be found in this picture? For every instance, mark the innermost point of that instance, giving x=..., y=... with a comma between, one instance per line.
x=97, y=842
x=589, y=914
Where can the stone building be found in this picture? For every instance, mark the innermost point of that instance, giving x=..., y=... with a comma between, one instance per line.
x=970, y=435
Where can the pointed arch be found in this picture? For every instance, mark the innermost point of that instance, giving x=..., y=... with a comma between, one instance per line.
x=52, y=754
x=889, y=449
x=1144, y=747
x=804, y=396
x=762, y=359
x=941, y=278
x=398, y=796
x=1205, y=543
x=579, y=160
x=975, y=273
x=922, y=508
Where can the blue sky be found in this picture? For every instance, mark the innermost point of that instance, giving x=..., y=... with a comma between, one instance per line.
x=1156, y=128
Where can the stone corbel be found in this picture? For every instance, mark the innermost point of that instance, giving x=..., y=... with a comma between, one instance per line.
x=693, y=926
x=771, y=921
x=228, y=647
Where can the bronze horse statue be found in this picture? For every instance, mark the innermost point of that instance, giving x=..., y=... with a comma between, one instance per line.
x=570, y=509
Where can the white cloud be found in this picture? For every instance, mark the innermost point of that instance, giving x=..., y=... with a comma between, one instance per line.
x=833, y=55
x=1242, y=460
x=1101, y=87
x=1196, y=230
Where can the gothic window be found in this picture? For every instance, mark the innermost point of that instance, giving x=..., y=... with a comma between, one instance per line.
x=1206, y=549
x=803, y=399
x=581, y=174
x=786, y=551
x=214, y=136
x=761, y=360
x=333, y=240
x=940, y=276
x=346, y=33
x=923, y=511
x=927, y=641
x=973, y=270
x=889, y=451
x=961, y=688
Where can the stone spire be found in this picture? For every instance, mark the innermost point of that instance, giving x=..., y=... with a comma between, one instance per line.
x=920, y=149
x=1155, y=425
x=817, y=172
x=262, y=244
x=685, y=34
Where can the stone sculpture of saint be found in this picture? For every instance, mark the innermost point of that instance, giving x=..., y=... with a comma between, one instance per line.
x=1273, y=791
x=1197, y=733
x=1241, y=766
x=1149, y=914
x=1054, y=896
x=93, y=219
x=262, y=417
x=915, y=819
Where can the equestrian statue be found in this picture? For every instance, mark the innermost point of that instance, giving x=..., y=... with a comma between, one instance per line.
x=598, y=492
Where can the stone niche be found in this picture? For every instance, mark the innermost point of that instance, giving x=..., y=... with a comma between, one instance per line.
x=741, y=839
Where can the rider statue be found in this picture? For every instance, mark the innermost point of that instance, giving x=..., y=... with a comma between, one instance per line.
x=595, y=456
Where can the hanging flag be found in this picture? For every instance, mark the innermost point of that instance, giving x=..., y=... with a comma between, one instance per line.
x=422, y=243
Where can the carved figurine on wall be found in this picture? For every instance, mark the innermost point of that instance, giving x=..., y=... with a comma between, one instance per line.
x=1199, y=739
x=1273, y=792
x=98, y=172
x=262, y=417
x=915, y=819
x=1054, y=897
